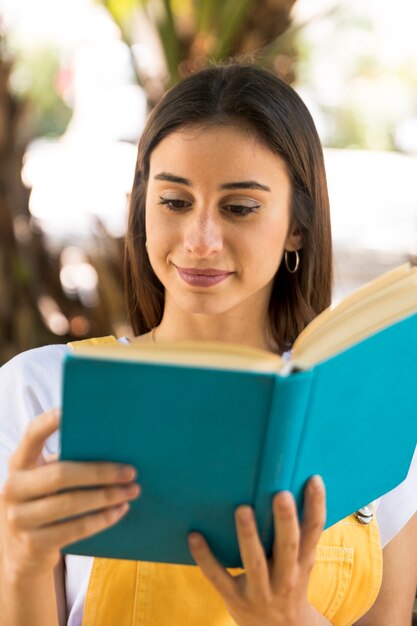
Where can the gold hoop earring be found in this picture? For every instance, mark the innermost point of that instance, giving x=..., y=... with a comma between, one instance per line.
x=146, y=246
x=297, y=261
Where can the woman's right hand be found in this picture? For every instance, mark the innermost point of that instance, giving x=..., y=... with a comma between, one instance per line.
x=40, y=498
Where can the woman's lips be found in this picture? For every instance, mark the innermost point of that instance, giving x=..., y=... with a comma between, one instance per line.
x=202, y=278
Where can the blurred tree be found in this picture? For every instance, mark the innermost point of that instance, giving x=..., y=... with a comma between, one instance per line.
x=194, y=33
x=18, y=316
x=34, y=308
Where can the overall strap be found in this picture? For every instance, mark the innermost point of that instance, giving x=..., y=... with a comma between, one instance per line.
x=95, y=341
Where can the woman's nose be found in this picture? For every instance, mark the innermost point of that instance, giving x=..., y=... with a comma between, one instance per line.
x=203, y=235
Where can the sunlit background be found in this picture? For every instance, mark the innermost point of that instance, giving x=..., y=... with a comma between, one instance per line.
x=77, y=78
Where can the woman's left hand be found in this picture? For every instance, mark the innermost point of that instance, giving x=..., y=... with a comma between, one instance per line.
x=271, y=592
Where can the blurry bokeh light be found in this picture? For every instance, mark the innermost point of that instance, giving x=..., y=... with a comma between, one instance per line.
x=373, y=200
x=60, y=22
x=107, y=102
x=74, y=181
x=22, y=229
x=79, y=326
x=406, y=135
x=78, y=277
x=52, y=315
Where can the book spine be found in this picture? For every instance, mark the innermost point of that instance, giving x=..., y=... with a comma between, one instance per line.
x=282, y=439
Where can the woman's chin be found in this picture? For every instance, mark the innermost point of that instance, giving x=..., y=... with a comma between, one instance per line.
x=205, y=305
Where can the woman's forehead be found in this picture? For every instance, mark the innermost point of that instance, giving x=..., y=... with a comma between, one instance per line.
x=221, y=148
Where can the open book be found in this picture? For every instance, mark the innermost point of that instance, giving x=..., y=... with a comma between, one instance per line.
x=211, y=425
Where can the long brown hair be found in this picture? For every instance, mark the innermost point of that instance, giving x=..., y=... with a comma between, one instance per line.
x=249, y=95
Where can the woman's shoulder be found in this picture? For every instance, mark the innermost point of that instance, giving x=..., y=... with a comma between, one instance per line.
x=34, y=361
x=35, y=376
x=34, y=371
x=39, y=362
x=396, y=507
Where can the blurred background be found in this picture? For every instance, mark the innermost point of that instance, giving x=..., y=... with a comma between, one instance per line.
x=77, y=79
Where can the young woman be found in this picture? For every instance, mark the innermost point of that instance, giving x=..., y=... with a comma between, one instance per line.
x=229, y=240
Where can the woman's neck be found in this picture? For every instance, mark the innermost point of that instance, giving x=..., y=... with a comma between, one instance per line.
x=247, y=330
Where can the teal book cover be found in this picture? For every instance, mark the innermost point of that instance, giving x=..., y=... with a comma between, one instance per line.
x=206, y=440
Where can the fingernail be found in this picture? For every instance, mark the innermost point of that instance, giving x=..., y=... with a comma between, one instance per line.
x=195, y=540
x=127, y=472
x=122, y=509
x=244, y=515
x=285, y=499
x=133, y=491
x=317, y=483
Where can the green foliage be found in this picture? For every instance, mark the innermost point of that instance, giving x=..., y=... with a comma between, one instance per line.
x=34, y=80
x=170, y=41
x=232, y=16
x=207, y=14
x=193, y=33
x=121, y=9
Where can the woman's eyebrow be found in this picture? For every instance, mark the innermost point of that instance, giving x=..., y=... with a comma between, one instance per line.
x=171, y=178
x=245, y=184
x=241, y=184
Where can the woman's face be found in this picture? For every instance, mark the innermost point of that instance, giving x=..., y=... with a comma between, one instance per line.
x=217, y=218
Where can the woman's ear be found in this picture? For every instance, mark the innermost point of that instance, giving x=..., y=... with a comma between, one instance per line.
x=294, y=240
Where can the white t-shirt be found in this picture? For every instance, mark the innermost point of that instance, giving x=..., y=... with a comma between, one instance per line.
x=30, y=384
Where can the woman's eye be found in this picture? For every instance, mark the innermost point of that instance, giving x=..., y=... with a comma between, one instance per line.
x=174, y=204
x=240, y=209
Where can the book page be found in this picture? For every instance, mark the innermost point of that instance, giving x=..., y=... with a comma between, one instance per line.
x=356, y=298
x=380, y=303
x=217, y=355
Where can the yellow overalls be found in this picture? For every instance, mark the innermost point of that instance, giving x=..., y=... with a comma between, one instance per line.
x=344, y=583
